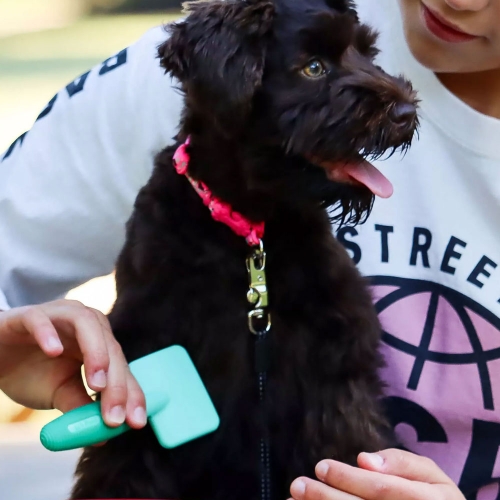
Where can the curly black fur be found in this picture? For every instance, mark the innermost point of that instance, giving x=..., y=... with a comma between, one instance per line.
x=255, y=122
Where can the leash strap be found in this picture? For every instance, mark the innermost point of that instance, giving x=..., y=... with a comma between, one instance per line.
x=259, y=323
x=259, y=318
x=265, y=455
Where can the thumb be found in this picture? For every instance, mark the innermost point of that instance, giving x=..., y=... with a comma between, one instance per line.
x=404, y=464
x=71, y=394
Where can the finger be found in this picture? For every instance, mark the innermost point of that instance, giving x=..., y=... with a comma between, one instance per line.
x=404, y=464
x=114, y=396
x=136, y=403
x=71, y=394
x=306, y=489
x=90, y=335
x=83, y=337
x=370, y=485
x=40, y=327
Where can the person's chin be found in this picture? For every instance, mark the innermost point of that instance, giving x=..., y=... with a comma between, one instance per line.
x=436, y=55
x=423, y=46
x=437, y=59
x=428, y=53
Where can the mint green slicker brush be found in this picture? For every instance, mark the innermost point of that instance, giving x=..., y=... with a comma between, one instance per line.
x=178, y=406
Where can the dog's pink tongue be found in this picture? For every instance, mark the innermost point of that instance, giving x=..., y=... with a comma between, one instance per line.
x=366, y=174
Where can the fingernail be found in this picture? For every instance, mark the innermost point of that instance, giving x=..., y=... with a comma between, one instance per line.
x=139, y=416
x=53, y=343
x=99, y=379
x=375, y=460
x=116, y=415
x=322, y=470
x=298, y=488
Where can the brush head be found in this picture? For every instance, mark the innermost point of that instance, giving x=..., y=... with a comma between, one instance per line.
x=190, y=413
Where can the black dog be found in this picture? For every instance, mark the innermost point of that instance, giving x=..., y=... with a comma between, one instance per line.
x=273, y=89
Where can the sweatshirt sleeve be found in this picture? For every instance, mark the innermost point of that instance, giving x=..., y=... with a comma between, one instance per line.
x=67, y=186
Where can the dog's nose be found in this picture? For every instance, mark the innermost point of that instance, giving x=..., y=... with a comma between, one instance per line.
x=403, y=113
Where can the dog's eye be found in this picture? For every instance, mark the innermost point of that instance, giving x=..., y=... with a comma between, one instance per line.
x=314, y=69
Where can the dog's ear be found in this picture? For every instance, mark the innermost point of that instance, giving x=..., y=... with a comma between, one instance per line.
x=218, y=53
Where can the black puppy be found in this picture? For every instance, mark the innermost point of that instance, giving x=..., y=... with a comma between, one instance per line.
x=272, y=90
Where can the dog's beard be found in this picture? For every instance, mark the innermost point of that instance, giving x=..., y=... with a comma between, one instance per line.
x=294, y=181
x=352, y=207
x=346, y=203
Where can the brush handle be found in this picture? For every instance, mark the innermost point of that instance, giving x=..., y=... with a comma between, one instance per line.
x=85, y=426
x=80, y=427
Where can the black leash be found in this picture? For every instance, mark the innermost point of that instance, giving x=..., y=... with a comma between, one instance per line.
x=261, y=365
x=259, y=323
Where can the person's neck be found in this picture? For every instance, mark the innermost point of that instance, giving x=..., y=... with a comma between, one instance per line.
x=481, y=91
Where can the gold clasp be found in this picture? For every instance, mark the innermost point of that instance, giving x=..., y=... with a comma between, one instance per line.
x=256, y=267
x=257, y=294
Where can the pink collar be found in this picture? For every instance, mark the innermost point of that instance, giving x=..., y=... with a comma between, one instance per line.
x=221, y=211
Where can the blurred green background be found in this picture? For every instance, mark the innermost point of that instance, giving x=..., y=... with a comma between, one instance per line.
x=45, y=44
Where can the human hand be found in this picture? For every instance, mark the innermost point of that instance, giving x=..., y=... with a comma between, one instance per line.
x=387, y=475
x=42, y=349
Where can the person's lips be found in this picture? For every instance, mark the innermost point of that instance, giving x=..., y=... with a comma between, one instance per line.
x=444, y=29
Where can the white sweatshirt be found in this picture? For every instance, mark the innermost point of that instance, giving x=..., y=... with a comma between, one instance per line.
x=68, y=187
